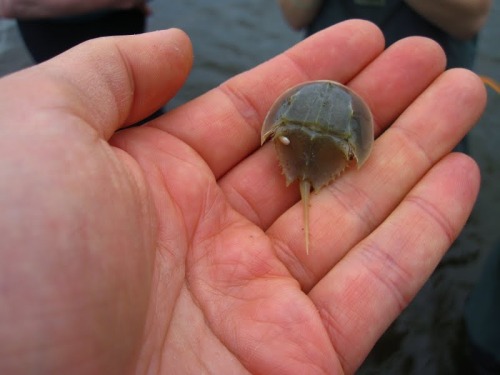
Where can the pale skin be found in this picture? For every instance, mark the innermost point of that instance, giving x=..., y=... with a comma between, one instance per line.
x=176, y=248
x=460, y=18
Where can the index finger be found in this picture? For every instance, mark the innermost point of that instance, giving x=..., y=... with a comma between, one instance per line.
x=223, y=126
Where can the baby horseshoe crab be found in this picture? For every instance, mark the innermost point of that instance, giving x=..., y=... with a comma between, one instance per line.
x=318, y=129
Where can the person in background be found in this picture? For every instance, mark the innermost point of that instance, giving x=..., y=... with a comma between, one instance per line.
x=49, y=27
x=454, y=24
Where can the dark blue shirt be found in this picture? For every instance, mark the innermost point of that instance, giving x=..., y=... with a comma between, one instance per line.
x=396, y=20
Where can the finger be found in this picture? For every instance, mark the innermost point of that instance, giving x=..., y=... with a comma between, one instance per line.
x=397, y=77
x=351, y=207
x=389, y=84
x=369, y=288
x=107, y=82
x=223, y=126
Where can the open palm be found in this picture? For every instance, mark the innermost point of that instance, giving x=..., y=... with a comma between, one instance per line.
x=175, y=247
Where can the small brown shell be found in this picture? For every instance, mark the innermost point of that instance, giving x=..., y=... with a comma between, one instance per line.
x=318, y=128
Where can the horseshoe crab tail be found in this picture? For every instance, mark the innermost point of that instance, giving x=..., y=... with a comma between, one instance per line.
x=305, y=192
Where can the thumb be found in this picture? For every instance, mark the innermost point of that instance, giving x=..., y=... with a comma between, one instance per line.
x=107, y=82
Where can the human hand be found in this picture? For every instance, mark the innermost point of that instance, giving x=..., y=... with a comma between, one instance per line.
x=175, y=247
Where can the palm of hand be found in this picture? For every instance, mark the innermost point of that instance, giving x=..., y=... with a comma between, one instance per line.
x=191, y=254
x=226, y=286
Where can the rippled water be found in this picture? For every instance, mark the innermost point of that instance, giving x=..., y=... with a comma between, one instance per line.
x=229, y=36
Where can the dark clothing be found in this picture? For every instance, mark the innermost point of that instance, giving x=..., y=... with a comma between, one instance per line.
x=46, y=38
x=397, y=21
x=482, y=312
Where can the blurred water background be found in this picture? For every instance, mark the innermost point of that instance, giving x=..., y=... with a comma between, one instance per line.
x=231, y=36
